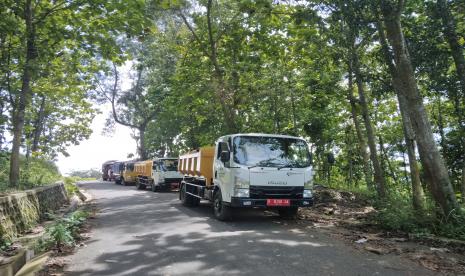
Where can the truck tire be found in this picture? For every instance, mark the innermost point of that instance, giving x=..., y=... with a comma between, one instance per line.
x=185, y=198
x=222, y=211
x=123, y=183
x=288, y=213
x=139, y=186
x=154, y=188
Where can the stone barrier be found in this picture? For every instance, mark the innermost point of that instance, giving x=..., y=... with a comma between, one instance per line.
x=21, y=211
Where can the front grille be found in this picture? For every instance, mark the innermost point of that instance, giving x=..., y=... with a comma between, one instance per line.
x=265, y=192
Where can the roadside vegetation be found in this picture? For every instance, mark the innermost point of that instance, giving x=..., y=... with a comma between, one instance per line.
x=63, y=232
x=36, y=172
x=376, y=87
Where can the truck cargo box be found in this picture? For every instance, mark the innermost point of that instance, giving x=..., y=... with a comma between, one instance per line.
x=144, y=168
x=198, y=164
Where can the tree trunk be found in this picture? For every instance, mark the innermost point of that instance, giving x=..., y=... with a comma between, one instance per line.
x=418, y=196
x=24, y=96
x=378, y=171
x=463, y=184
x=142, y=150
x=441, y=124
x=433, y=164
x=450, y=34
x=38, y=126
x=361, y=139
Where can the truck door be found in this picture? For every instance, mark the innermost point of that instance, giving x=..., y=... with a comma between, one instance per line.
x=156, y=173
x=223, y=172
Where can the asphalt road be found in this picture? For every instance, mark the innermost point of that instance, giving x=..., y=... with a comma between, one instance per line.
x=146, y=233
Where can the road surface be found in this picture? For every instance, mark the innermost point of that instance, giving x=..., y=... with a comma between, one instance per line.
x=145, y=233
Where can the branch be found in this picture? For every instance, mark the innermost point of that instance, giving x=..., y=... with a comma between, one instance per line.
x=400, y=7
x=113, y=96
x=56, y=8
x=196, y=37
x=209, y=26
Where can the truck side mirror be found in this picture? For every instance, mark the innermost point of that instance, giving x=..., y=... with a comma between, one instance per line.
x=310, y=158
x=224, y=156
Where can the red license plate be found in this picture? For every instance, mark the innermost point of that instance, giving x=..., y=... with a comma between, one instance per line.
x=278, y=202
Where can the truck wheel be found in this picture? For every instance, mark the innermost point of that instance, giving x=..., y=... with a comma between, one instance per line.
x=186, y=199
x=155, y=188
x=122, y=182
x=288, y=213
x=139, y=186
x=221, y=211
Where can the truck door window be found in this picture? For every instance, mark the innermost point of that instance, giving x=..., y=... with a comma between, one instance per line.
x=222, y=146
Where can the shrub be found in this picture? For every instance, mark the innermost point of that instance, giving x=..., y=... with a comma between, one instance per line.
x=70, y=185
x=397, y=213
x=64, y=232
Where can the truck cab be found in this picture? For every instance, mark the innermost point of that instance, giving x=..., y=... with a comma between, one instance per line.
x=165, y=173
x=263, y=169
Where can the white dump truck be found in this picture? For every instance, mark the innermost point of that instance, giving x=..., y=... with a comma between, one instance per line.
x=158, y=174
x=249, y=171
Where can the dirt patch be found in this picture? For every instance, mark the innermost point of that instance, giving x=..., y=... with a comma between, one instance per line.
x=350, y=218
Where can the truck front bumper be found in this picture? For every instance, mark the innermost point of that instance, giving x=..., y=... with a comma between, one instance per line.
x=171, y=183
x=261, y=203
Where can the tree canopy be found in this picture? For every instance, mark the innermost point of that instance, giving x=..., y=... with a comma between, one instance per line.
x=376, y=87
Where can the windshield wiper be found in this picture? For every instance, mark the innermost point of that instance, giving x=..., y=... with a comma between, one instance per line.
x=262, y=163
x=286, y=166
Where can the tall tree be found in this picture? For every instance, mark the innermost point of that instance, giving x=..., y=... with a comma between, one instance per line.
x=433, y=164
x=409, y=137
x=450, y=33
x=25, y=93
x=87, y=30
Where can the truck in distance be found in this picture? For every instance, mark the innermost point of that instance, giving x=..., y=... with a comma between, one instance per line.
x=106, y=170
x=128, y=176
x=249, y=171
x=158, y=174
x=117, y=169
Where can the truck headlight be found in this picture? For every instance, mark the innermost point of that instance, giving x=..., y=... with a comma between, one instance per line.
x=241, y=192
x=307, y=194
x=241, y=183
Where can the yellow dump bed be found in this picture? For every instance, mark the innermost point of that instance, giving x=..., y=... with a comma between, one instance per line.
x=198, y=163
x=144, y=168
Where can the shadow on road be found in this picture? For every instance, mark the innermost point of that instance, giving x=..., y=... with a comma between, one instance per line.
x=146, y=233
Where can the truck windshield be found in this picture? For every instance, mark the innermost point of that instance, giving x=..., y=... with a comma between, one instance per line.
x=168, y=165
x=271, y=152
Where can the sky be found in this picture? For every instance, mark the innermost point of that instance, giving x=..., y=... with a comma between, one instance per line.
x=98, y=148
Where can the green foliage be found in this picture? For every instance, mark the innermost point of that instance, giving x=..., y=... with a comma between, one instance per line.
x=63, y=232
x=60, y=235
x=4, y=165
x=5, y=245
x=35, y=171
x=70, y=186
x=397, y=214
